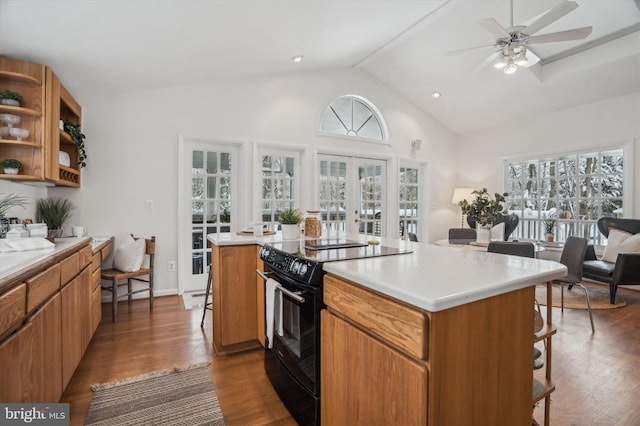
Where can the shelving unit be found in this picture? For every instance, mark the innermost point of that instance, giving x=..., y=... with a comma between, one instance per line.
x=28, y=79
x=543, y=386
x=46, y=102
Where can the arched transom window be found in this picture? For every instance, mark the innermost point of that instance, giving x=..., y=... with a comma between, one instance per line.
x=353, y=116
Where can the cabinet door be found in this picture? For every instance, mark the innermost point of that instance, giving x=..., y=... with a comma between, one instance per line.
x=234, y=298
x=46, y=354
x=391, y=389
x=15, y=356
x=75, y=302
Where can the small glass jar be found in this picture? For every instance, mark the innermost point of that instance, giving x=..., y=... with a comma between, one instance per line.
x=312, y=224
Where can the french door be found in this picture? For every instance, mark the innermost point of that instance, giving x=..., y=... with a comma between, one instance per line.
x=208, y=202
x=353, y=194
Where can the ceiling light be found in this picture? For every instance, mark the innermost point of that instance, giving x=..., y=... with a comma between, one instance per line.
x=297, y=58
x=510, y=68
x=436, y=95
x=521, y=57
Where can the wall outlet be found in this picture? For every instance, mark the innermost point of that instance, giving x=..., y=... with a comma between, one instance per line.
x=171, y=266
x=149, y=205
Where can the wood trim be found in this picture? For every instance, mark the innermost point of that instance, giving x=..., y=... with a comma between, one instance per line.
x=260, y=301
x=42, y=286
x=397, y=323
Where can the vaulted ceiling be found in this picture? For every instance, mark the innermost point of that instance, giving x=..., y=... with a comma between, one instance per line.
x=100, y=46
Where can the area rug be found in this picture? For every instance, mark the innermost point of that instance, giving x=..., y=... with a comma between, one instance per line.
x=574, y=298
x=182, y=396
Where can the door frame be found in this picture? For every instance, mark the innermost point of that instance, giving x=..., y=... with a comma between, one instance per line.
x=184, y=225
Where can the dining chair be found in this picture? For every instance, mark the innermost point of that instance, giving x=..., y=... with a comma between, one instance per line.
x=116, y=278
x=520, y=248
x=462, y=235
x=573, y=258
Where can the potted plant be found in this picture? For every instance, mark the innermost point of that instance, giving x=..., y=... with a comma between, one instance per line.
x=7, y=97
x=11, y=166
x=290, y=220
x=78, y=137
x=484, y=210
x=11, y=200
x=54, y=212
x=548, y=226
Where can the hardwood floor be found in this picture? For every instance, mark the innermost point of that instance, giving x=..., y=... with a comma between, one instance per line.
x=597, y=375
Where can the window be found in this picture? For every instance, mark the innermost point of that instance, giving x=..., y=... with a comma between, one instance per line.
x=353, y=116
x=408, y=200
x=280, y=183
x=574, y=190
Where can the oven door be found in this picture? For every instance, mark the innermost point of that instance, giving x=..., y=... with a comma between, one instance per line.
x=297, y=344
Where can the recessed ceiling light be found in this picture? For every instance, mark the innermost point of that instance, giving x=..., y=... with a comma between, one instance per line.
x=436, y=95
x=297, y=58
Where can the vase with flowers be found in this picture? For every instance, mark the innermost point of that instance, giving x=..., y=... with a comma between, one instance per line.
x=484, y=210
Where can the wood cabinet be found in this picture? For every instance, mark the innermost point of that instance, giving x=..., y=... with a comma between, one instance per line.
x=51, y=320
x=542, y=384
x=46, y=102
x=260, y=302
x=233, y=293
x=467, y=365
x=28, y=79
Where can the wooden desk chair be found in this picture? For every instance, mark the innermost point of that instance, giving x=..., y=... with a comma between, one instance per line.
x=115, y=277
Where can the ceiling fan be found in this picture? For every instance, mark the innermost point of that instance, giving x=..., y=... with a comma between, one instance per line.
x=511, y=45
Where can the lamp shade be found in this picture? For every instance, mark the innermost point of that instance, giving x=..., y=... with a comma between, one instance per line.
x=460, y=194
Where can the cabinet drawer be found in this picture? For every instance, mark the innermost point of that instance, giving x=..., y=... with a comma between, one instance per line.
x=42, y=286
x=96, y=261
x=12, y=308
x=400, y=325
x=69, y=268
x=106, y=251
x=95, y=278
x=86, y=255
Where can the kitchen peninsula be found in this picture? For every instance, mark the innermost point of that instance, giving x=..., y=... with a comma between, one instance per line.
x=439, y=336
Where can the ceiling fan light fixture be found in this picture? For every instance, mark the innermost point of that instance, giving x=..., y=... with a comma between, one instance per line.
x=521, y=57
x=510, y=68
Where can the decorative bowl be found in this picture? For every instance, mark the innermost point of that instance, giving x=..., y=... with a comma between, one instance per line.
x=10, y=102
x=10, y=119
x=19, y=134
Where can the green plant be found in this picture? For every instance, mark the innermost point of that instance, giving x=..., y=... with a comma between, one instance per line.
x=10, y=163
x=290, y=217
x=484, y=209
x=549, y=225
x=8, y=94
x=11, y=200
x=53, y=211
x=78, y=137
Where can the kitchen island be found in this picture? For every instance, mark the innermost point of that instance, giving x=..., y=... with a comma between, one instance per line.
x=440, y=336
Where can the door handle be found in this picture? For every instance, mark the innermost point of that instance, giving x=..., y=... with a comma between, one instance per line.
x=282, y=289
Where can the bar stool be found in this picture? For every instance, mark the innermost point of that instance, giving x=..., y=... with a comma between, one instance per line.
x=207, y=305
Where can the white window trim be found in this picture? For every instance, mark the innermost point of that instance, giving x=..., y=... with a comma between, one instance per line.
x=386, y=138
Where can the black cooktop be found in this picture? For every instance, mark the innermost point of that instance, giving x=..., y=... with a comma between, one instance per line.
x=333, y=249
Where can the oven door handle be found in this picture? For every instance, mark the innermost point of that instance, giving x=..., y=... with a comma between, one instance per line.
x=282, y=289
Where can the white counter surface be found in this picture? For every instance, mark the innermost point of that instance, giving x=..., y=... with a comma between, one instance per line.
x=432, y=277
x=12, y=262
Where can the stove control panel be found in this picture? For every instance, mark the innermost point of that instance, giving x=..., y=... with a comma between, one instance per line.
x=296, y=267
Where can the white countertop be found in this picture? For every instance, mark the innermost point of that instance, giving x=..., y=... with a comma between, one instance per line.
x=433, y=277
x=12, y=262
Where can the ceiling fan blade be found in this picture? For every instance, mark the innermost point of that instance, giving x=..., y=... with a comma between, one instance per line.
x=575, y=34
x=487, y=61
x=551, y=16
x=455, y=52
x=532, y=59
x=494, y=28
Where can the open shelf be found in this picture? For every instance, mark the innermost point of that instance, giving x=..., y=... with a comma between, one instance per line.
x=8, y=109
x=26, y=143
x=16, y=76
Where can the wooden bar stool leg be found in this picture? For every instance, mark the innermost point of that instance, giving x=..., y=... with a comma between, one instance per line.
x=114, y=300
x=206, y=298
x=129, y=289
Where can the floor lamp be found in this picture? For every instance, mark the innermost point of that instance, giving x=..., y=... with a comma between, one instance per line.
x=460, y=194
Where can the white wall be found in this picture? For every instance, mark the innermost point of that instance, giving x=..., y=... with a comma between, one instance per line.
x=613, y=121
x=132, y=144
x=31, y=192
